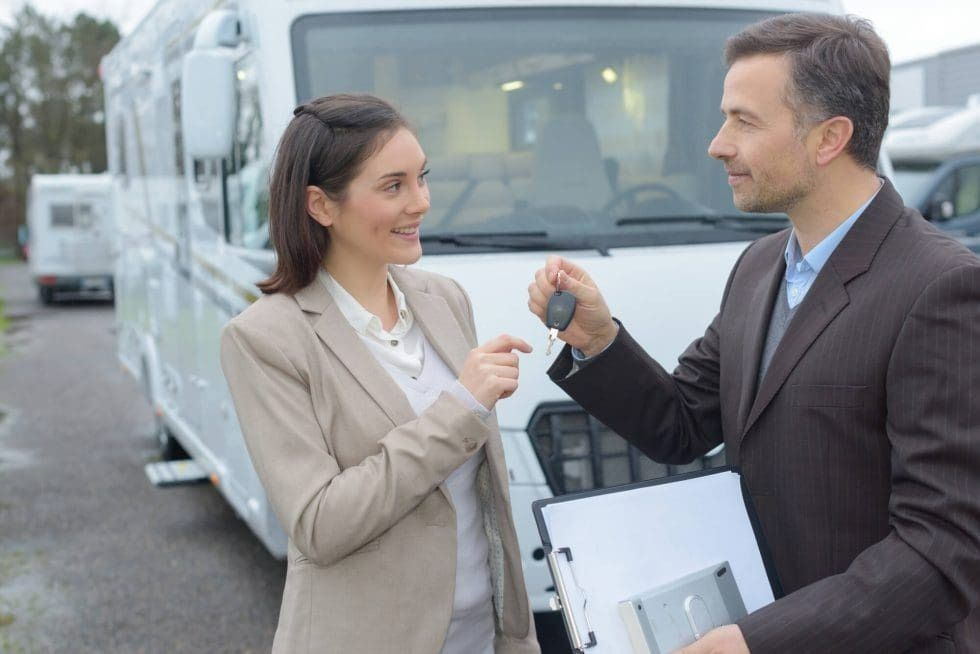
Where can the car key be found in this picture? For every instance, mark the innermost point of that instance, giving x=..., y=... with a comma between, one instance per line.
x=561, y=308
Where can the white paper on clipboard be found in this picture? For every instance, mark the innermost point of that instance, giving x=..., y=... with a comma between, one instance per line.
x=610, y=545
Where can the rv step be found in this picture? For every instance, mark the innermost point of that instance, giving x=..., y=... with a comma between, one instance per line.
x=175, y=473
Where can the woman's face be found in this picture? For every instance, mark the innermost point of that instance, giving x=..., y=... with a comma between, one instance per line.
x=379, y=219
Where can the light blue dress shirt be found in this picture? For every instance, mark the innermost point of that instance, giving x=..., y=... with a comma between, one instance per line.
x=801, y=271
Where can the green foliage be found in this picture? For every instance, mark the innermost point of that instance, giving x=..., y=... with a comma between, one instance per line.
x=51, y=103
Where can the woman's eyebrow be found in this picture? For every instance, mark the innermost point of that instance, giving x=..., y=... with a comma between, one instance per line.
x=401, y=174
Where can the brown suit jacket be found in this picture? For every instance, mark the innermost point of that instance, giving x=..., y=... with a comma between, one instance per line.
x=860, y=447
x=356, y=478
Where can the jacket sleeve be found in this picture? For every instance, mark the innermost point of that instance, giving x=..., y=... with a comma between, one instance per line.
x=924, y=577
x=672, y=418
x=329, y=512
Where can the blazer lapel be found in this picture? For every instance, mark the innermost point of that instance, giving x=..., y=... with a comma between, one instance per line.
x=826, y=298
x=436, y=320
x=754, y=337
x=337, y=334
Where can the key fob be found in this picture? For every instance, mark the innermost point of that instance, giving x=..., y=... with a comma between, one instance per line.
x=561, y=308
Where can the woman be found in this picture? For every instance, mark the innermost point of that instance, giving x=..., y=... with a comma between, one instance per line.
x=366, y=406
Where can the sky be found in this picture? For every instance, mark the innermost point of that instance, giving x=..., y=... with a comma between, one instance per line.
x=911, y=28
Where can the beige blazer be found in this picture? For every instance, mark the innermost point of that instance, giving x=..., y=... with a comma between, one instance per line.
x=357, y=479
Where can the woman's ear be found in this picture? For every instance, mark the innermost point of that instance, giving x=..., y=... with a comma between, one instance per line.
x=321, y=208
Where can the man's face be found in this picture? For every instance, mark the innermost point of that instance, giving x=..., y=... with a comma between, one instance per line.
x=766, y=157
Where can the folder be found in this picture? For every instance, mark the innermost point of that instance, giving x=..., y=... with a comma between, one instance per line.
x=650, y=567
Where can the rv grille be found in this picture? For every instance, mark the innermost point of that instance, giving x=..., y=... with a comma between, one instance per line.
x=577, y=452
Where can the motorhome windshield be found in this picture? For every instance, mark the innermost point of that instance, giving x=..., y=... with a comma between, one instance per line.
x=575, y=126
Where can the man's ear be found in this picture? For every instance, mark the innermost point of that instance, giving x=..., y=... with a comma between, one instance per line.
x=319, y=206
x=832, y=136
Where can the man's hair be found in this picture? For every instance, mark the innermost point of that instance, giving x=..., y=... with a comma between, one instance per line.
x=839, y=67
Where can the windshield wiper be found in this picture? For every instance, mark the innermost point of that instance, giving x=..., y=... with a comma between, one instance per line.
x=527, y=240
x=760, y=224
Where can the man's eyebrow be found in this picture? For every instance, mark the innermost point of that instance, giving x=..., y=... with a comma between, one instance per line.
x=738, y=111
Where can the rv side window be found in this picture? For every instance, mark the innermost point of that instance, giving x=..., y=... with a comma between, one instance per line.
x=248, y=179
x=967, y=198
x=62, y=215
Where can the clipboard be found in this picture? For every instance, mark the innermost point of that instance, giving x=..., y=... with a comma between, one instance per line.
x=619, y=555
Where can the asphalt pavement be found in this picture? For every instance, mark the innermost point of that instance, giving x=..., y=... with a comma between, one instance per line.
x=92, y=557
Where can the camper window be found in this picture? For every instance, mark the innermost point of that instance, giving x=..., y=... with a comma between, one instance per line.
x=248, y=180
x=62, y=215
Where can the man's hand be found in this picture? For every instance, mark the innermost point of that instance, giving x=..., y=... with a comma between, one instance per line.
x=592, y=327
x=723, y=640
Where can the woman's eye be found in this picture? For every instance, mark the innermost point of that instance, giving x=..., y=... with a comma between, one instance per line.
x=393, y=188
x=422, y=181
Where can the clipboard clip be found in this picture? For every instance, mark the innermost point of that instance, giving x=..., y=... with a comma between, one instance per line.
x=565, y=605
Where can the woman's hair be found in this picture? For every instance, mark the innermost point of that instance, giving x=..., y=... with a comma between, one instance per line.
x=325, y=145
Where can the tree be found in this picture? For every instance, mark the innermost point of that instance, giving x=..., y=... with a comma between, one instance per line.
x=51, y=103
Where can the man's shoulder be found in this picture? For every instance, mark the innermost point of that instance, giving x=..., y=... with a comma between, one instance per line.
x=921, y=244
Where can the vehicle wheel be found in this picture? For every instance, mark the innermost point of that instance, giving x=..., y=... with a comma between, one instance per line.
x=46, y=293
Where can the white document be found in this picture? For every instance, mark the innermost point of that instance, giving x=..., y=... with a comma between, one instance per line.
x=613, y=545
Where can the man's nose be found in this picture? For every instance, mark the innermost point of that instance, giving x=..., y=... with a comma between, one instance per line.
x=721, y=147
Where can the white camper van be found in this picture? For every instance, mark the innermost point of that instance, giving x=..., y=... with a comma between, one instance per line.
x=577, y=128
x=71, y=231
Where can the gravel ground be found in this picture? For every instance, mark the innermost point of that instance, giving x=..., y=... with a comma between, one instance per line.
x=92, y=557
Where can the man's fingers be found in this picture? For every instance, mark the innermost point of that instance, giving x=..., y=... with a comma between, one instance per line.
x=568, y=269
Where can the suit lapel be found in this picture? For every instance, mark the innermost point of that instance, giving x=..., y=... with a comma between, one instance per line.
x=754, y=336
x=824, y=301
x=337, y=334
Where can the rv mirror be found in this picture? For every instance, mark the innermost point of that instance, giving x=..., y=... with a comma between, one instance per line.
x=941, y=209
x=207, y=103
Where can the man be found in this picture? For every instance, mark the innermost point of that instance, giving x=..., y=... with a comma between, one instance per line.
x=840, y=371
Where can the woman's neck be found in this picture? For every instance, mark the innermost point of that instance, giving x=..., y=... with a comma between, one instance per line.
x=368, y=284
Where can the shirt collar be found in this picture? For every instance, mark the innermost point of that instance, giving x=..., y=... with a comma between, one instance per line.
x=816, y=258
x=363, y=321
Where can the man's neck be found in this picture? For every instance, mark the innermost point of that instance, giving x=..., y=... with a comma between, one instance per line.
x=835, y=199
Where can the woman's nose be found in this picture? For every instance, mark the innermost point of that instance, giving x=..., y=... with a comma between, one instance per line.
x=420, y=203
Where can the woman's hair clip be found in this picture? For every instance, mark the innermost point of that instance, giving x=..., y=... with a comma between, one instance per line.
x=306, y=109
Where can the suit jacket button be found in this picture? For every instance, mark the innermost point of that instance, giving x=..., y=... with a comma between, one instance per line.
x=469, y=444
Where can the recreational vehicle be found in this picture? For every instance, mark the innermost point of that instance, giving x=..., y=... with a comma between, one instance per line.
x=577, y=128
x=937, y=171
x=71, y=232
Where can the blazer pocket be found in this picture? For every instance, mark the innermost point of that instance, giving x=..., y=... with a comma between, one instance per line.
x=821, y=395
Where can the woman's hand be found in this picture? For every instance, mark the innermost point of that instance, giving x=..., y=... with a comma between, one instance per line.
x=490, y=371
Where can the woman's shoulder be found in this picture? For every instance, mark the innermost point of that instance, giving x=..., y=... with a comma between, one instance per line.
x=272, y=314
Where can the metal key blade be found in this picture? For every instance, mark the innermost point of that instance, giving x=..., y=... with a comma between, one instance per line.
x=552, y=337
